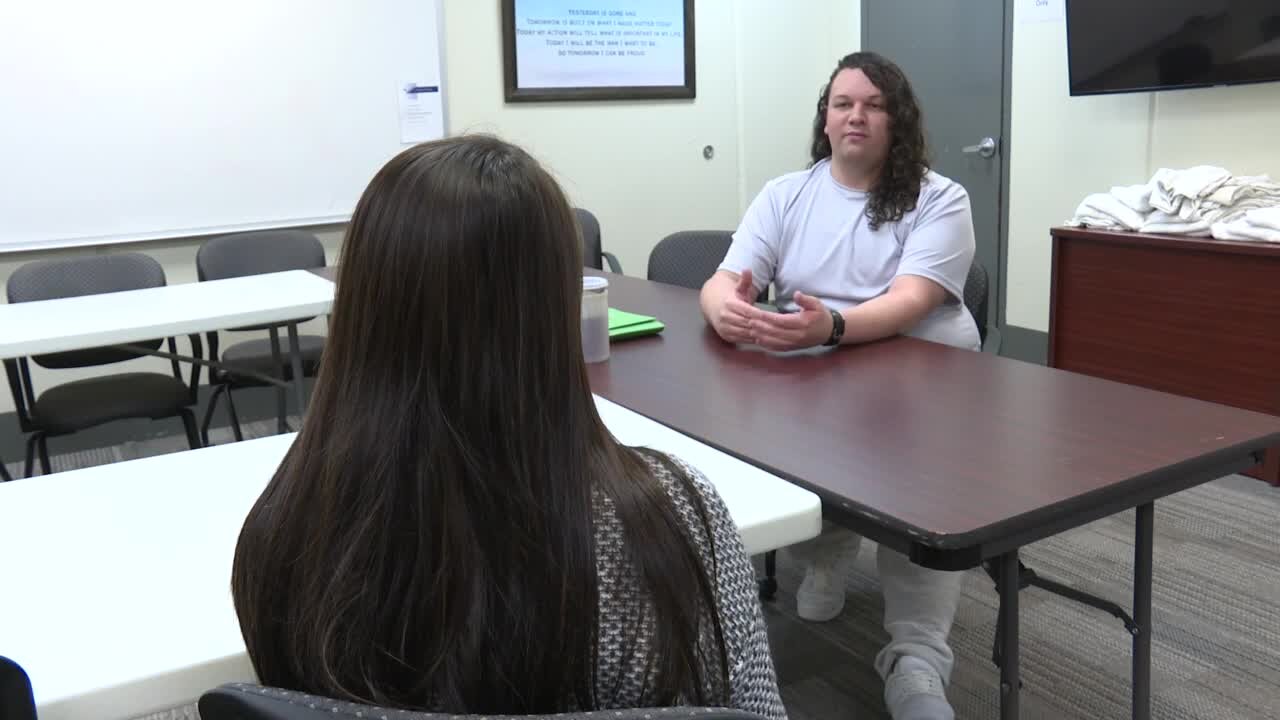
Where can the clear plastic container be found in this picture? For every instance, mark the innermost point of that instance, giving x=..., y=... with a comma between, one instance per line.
x=595, y=319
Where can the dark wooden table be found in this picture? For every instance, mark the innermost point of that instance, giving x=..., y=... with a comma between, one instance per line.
x=952, y=457
x=1192, y=316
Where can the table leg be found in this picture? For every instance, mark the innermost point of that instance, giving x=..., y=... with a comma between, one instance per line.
x=295, y=361
x=277, y=362
x=1142, y=576
x=1010, y=682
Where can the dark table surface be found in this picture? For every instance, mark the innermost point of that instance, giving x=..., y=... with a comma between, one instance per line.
x=951, y=455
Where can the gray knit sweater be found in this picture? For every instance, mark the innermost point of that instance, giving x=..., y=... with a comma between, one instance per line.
x=626, y=616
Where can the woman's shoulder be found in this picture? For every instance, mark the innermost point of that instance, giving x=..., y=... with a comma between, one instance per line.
x=693, y=495
x=670, y=469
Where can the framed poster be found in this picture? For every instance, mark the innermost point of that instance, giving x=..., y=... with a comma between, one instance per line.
x=598, y=49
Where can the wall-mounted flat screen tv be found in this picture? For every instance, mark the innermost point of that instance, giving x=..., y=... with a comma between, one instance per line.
x=1137, y=45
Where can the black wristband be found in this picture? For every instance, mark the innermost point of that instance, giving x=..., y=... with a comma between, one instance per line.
x=837, y=328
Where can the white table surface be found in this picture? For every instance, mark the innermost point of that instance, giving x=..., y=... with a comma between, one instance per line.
x=117, y=578
x=76, y=323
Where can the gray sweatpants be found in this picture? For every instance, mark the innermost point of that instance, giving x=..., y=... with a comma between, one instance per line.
x=919, y=603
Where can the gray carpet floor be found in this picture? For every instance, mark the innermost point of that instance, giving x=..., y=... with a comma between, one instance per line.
x=1216, y=645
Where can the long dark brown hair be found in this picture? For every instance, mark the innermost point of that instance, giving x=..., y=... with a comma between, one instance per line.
x=427, y=542
x=896, y=191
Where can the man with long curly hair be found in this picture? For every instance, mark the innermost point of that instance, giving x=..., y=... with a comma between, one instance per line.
x=866, y=243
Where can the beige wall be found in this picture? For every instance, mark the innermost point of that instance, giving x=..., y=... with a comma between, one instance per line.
x=1063, y=148
x=1236, y=127
x=777, y=97
x=637, y=165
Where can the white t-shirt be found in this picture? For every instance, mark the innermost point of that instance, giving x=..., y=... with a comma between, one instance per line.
x=807, y=232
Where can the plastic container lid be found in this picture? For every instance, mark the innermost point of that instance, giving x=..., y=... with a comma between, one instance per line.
x=591, y=282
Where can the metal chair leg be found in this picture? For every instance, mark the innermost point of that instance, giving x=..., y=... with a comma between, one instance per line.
x=4, y=472
x=29, y=462
x=282, y=402
x=43, y=444
x=235, y=418
x=193, y=432
x=769, y=583
x=295, y=367
x=208, y=413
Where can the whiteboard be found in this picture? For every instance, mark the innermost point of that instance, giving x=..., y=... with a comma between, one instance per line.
x=144, y=119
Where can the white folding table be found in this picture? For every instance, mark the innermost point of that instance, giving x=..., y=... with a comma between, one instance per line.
x=130, y=316
x=117, y=594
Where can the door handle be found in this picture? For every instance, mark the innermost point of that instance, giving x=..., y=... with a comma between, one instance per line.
x=986, y=148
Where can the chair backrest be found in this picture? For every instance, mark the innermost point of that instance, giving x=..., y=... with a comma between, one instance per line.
x=592, y=250
x=689, y=258
x=89, y=275
x=975, y=297
x=256, y=253
x=16, y=700
x=243, y=701
x=259, y=252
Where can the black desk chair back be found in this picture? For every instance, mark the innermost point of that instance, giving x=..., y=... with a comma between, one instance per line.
x=16, y=700
x=975, y=297
x=240, y=701
x=690, y=257
x=256, y=253
x=593, y=254
x=75, y=406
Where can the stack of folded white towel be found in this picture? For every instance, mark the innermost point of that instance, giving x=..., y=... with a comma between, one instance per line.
x=1202, y=200
x=1257, y=224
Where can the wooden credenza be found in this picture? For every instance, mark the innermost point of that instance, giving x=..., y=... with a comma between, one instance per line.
x=1192, y=316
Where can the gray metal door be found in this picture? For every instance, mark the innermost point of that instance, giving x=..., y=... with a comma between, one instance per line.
x=953, y=51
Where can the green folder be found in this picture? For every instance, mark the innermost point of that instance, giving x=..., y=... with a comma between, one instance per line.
x=623, y=325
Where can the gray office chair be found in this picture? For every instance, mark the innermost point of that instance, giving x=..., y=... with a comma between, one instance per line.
x=242, y=701
x=690, y=257
x=592, y=254
x=16, y=700
x=255, y=253
x=74, y=406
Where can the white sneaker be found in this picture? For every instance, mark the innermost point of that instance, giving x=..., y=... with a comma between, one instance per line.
x=821, y=594
x=914, y=692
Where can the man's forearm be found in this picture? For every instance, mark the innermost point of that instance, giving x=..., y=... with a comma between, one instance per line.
x=883, y=317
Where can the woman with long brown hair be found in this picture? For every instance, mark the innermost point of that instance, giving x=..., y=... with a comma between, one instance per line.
x=454, y=528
